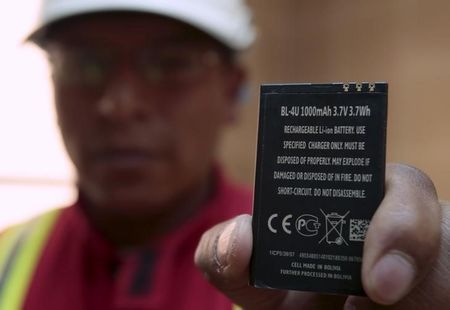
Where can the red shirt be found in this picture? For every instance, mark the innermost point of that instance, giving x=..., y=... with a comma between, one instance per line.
x=79, y=269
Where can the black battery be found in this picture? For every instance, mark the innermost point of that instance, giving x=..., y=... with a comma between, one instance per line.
x=319, y=179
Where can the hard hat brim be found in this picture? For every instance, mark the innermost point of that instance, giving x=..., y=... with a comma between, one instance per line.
x=214, y=22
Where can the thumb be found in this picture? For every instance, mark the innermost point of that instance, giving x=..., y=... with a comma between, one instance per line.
x=223, y=254
x=404, y=236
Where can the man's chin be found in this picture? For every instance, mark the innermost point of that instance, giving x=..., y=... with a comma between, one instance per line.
x=137, y=203
x=131, y=201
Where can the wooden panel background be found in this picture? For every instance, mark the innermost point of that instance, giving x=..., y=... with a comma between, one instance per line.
x=403, y=42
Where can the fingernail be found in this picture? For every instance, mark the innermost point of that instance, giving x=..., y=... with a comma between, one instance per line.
x=223, y=244
x=392, y=276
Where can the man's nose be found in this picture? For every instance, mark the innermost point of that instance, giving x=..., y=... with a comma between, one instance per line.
x=124, y=97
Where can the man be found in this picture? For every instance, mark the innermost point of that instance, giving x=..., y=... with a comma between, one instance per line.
x=143, y=89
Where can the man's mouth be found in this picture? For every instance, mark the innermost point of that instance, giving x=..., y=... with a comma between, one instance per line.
x=127, y=158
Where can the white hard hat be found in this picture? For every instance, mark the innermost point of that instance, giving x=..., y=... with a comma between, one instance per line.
x=229, y=21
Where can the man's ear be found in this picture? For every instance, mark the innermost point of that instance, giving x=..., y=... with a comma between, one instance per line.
x=236, y=90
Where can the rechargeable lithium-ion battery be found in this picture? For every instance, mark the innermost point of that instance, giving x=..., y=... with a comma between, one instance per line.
x=319, y=179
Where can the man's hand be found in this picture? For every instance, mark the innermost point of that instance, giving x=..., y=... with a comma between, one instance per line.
x=406, y=260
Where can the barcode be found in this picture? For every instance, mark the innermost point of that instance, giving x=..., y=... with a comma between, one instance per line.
x=358, y=229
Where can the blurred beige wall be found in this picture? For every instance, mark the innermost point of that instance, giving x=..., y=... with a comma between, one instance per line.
x=403, y=42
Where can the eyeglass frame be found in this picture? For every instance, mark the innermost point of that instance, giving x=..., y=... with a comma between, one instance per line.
x=204, y=55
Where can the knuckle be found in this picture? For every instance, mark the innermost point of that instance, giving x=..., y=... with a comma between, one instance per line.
x=415, y=232
x=204, y=254
x=401, y=173
x=395, y=226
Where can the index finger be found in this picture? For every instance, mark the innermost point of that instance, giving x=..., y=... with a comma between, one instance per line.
x=223, y=254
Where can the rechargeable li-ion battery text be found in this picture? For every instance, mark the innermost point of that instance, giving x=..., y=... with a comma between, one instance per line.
x=319, y=180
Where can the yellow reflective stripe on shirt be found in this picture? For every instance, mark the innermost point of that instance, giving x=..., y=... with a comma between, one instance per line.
x=23, y=257
x=236, y=307
x=7, y=240
x=8, y=247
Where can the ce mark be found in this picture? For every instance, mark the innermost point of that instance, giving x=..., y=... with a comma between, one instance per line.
x=285, y=223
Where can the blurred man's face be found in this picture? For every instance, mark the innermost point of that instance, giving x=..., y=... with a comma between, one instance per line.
x=141, y=102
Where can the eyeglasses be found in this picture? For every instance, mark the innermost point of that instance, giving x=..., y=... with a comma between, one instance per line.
x=166, y=66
